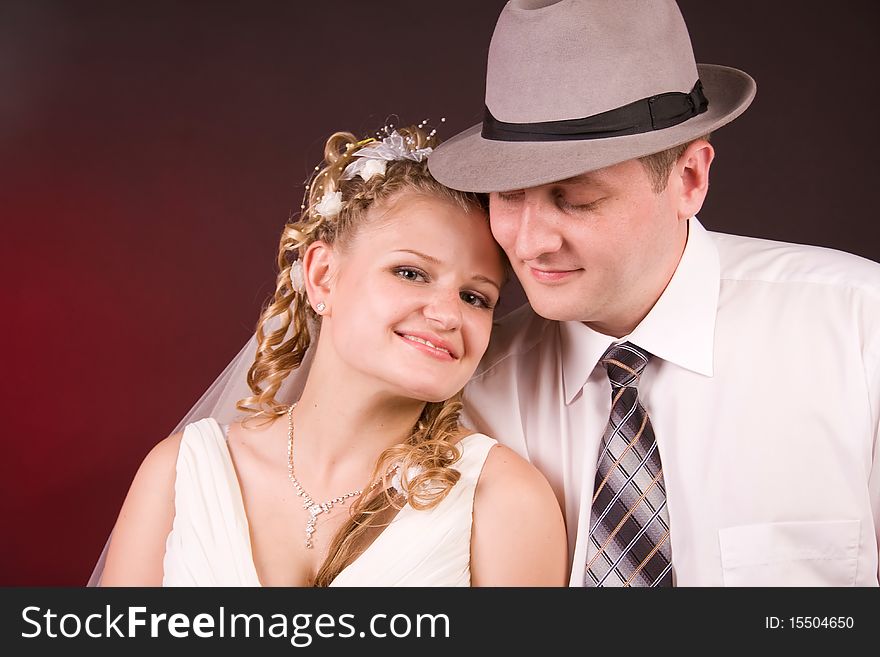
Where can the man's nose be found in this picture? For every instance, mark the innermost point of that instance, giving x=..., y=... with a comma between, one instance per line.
x=537, y=234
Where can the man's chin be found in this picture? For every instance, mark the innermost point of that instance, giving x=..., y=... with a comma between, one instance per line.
x=560, y=312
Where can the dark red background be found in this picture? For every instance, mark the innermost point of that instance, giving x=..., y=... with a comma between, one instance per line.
x=152, y=150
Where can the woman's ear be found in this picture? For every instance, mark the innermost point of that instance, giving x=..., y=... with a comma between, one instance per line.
x=319, y=262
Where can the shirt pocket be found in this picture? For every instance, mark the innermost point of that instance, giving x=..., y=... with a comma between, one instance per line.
x=816, y=553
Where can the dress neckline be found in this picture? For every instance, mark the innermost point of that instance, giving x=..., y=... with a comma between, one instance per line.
x=223, y=432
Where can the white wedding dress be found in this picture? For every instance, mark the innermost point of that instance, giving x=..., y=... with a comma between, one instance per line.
x=209, y=544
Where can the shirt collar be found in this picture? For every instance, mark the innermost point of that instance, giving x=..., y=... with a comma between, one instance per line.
x=680, y=328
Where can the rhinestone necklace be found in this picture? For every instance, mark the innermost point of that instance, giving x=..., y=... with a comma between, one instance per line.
x=309, y=504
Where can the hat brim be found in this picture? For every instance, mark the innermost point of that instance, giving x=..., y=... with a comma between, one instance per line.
x=469, y=162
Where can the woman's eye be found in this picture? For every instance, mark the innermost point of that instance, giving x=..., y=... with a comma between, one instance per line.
x=476, y=300
x=410, y=274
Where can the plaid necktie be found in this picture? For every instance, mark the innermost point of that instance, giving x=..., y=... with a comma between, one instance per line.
x=629, y=528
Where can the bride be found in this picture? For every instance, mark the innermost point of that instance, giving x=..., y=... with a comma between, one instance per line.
x=389, y=280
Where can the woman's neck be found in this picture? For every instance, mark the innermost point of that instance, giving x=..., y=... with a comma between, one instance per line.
x=342, y=416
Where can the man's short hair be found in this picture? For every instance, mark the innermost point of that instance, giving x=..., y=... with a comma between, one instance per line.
x=659, y=165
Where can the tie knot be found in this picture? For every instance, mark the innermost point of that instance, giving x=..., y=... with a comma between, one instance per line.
x=625, y=363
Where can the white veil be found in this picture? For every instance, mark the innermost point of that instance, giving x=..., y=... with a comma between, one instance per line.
x=220, y=398
x=219, y=401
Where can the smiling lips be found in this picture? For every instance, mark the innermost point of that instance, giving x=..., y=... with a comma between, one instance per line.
x=432, y=346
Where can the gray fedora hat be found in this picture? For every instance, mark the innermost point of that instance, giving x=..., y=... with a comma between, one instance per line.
x=577, y=85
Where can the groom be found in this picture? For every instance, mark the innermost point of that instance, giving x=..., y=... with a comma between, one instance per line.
x=706, y=406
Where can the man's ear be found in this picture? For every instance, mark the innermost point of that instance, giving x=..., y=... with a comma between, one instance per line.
x=690, y=178
x=319, y=262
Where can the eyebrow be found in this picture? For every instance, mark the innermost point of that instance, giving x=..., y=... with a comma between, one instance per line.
x=437, y=261
x=587, y=178
x=579, y=179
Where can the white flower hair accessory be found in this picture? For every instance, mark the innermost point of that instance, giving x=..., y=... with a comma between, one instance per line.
x=373, y=158
x=397, y=479
x=329, y=205
x=297, y=277
x=427, y=488
x=371, y=167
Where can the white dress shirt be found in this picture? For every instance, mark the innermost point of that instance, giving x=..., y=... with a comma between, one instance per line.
x=764, y=395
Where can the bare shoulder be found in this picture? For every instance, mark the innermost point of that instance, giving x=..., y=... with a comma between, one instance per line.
x=157, y=471
x=505, y=469
x=510, y=482
x=162, y=459
x=518, y=536
x=137, y=546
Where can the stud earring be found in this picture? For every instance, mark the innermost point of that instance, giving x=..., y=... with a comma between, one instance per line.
x=320, y=307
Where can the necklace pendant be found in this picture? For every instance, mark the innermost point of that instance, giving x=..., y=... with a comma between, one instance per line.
x=314, y=509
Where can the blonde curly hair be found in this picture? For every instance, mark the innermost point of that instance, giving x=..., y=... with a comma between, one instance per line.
x=286, y=326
